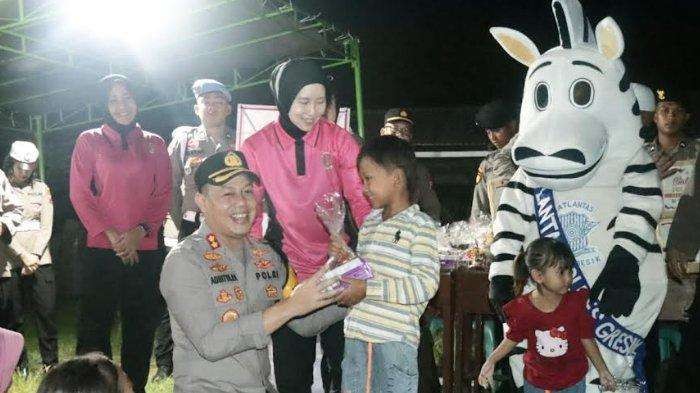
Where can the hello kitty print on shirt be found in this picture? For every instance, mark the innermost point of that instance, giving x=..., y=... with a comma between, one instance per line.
x=552, y=343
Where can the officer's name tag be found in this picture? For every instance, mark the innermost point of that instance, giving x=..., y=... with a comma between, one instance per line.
x=266, y=275
x=223, y=278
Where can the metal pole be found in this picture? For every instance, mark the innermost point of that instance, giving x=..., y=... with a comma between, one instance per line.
x=354, y=45
x=37, y=124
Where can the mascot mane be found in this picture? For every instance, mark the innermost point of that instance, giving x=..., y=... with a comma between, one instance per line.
x=577, y=103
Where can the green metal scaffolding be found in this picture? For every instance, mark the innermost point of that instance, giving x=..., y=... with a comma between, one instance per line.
x=42, y=81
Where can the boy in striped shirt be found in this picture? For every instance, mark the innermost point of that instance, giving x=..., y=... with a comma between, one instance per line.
x=400, y=244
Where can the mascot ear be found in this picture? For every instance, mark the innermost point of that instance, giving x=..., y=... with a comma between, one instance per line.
x=516, y=44
x=609, y=38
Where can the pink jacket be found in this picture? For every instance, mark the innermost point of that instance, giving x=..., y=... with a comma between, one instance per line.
x=11, y=344
x=130, y=186
x=331, y=155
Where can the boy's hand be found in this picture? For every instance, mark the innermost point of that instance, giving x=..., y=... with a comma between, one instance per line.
x=354, y=293
x=486, y=374
x=607, y=381
x=338, y=249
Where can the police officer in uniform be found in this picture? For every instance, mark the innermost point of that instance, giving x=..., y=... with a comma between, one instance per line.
x=224, y=289
x=191, y=145
x=499, y=121
x=675, y=155
x=28, y=253
x=188, y=148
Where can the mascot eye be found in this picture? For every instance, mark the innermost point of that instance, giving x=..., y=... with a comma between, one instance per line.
x=581, y=94
x=541, y=96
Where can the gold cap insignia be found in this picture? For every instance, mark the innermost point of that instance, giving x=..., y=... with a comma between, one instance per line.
x=661, y=94
x=403, y=114
x=232, y=160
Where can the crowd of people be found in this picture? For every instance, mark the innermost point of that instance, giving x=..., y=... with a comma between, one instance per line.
x=249, y=271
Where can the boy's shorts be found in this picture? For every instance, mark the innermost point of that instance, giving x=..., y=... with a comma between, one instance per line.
x=393, y=367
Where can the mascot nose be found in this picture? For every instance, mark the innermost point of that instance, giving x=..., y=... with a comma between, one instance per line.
x=574, y=155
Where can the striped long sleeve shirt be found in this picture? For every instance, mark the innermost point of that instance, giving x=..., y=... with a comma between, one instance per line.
x=402, y=252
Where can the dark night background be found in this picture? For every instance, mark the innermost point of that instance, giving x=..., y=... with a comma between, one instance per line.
x=439, y=53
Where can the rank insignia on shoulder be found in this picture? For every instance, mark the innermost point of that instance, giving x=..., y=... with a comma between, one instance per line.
x=263, y=264
x=212, y=256
x=259, y=252
x=229, y=316
x=219, y=267
x=238, y=293
x=213, y=241
x=223, y=297
x=271, y=291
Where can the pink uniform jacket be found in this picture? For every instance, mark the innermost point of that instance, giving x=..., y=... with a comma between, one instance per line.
x=331, y=165
x=120, y=189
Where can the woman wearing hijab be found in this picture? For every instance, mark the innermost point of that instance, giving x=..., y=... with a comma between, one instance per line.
x=299, y=158
x=120, y=189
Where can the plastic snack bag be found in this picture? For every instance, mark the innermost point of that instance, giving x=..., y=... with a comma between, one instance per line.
x=331, y=211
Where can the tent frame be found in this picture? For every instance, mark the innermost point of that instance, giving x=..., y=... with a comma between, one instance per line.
x=343, y=50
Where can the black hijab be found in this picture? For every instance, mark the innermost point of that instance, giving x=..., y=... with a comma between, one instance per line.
x=286, y=80
x=106, y=85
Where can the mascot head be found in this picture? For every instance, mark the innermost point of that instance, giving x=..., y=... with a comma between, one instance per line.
x=578, y=111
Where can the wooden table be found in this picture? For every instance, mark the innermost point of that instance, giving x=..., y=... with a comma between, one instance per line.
x=462, y=298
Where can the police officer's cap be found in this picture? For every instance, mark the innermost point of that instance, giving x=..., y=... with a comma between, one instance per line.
x=398, y=114
x=221, y=167
x=670, y=94
x=201, y=87
x=495, y=114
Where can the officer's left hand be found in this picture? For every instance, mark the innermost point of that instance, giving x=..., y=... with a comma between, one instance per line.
x=354, y=293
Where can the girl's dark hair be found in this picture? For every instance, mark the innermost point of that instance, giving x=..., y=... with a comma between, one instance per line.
x=91, y=373
x=540, y=255
x=391, y=152
x=8, y=167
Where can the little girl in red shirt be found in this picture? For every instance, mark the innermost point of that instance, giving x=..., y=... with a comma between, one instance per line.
x=558, y=329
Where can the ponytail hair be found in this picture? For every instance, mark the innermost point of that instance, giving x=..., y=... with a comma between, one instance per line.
x=521, y=273
x=541, y=254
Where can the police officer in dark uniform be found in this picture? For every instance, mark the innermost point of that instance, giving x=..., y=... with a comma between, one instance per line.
x=498, y=119
x=225, y=289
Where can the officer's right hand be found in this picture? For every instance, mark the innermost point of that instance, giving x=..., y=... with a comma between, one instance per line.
x=500, y=292
x=313, y=293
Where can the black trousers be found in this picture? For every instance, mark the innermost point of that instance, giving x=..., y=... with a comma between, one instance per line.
x=107, y=286
x=163, y=350
x=39, y=293
x=10, y=307
x=294, y=357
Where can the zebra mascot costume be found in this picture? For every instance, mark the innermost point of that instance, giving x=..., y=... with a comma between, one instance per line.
x=585, y=179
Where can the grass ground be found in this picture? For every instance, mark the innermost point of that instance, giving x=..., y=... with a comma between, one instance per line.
x=66, y=347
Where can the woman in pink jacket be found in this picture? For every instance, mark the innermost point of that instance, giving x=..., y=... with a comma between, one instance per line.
x=299, y=158
x=120, y=189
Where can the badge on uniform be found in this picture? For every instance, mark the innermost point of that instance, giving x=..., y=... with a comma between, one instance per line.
x=263, y=264
x=238, y=293
x=327, y=160
x=212, y=256
x=259, y=252
x=223, y=297
x=229, y=316
x=271, y=291
x=219, y=267
x=213, y=241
